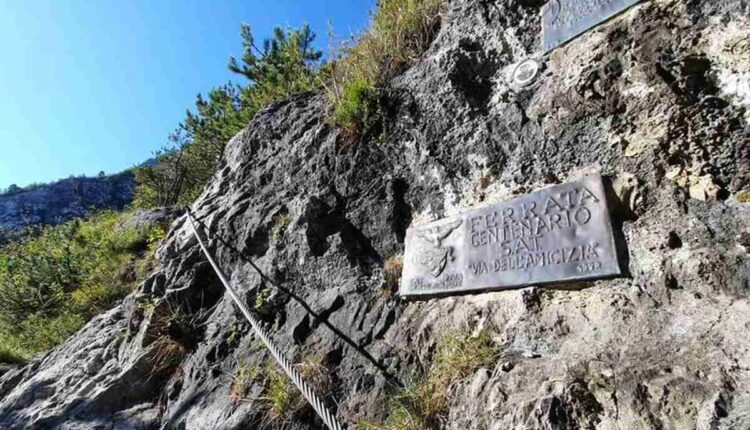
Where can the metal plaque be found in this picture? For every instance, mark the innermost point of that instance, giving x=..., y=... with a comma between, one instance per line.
x=525, y=72
x=563, y=20
x=561, y=233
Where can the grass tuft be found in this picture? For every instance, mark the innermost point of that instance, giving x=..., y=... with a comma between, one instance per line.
x=456, y=358
x=401, y=417
x=392, y=269
x=424, y=404
x=400, y=32
x=262, y=303
x=281, y=399
x=173, y=329
x=282, y=396
x=168, y=354
x=244, y=375
x=280, y=224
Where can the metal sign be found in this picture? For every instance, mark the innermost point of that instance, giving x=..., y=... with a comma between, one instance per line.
x=561, y=233
x=563, y=20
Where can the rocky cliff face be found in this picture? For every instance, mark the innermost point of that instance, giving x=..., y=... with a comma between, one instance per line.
x=655, y=100
x=64, y=200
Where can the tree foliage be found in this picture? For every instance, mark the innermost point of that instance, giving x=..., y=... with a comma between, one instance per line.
x=13, y=189
x=286, y=64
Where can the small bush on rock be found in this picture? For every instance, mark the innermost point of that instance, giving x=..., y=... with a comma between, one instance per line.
x=400, y=32
x=262, y=302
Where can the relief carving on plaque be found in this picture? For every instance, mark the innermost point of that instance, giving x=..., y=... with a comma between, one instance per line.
x=431, y=254
x=553, y=12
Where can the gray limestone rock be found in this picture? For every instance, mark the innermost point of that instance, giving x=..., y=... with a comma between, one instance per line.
x=61, y=201
x=654, y=100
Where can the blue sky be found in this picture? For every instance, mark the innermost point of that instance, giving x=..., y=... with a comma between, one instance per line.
x=87, y=86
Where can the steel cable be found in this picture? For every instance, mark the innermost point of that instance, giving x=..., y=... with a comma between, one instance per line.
x=317, y=404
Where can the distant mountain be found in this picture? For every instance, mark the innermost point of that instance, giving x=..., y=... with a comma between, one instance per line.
x=60, y=201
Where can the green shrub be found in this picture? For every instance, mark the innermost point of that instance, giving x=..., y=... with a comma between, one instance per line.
x=56, y=278
x=193, y=150
x=39, y=332
x=400, y=32
x=359, y=108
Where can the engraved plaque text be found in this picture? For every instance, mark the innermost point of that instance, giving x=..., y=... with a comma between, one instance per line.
x=561, y=233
